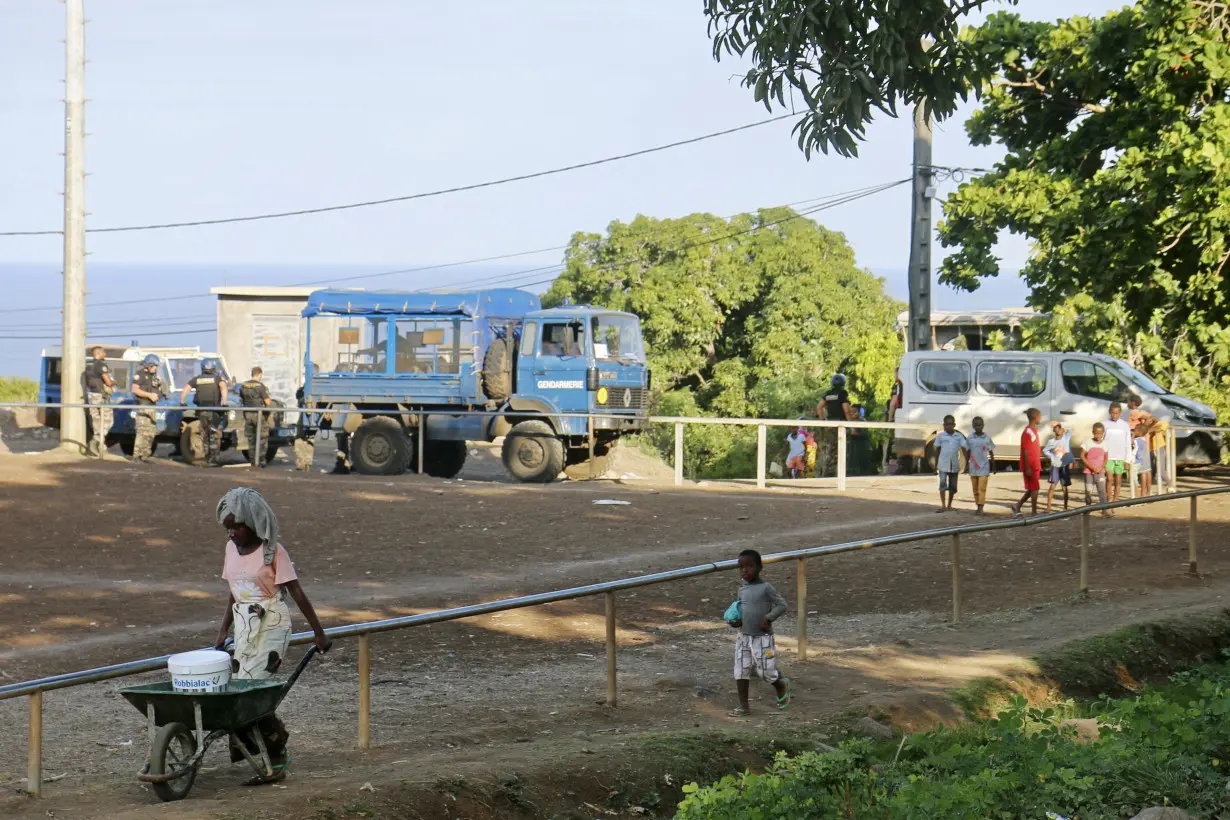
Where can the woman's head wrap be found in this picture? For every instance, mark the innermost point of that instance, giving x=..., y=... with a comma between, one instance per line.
x=250, y=507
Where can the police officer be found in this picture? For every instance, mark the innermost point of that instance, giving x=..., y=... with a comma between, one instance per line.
x=253, y=393
x=149, y=390
x=210, y=389
x=833, y=407
x=99, y=385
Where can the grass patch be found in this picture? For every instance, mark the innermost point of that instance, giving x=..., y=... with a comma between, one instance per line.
x=16, y=388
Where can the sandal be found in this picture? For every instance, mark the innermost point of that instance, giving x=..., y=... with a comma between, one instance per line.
x=737, y=712
x=278, y=774
x=784, y=701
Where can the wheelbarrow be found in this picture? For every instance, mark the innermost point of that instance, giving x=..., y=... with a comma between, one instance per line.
x=182, y=725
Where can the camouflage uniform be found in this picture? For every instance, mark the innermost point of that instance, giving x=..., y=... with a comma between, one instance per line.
x=208, y=388
x=253, y=393
x=98, y=394
x=146, y=417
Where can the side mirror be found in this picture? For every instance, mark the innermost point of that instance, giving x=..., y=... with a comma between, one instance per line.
x=591, y=379
x=648, y=379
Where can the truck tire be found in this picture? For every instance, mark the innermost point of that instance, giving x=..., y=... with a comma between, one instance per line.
x=443, y=459
x=533, y=453
x=191, y=447
x=380, y=447
x=497, y=371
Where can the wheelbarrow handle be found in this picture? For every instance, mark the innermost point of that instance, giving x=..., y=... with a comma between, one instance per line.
x=294, y=676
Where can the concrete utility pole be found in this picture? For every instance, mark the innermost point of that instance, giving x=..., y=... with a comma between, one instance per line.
x=920, y=235
x=72, y=422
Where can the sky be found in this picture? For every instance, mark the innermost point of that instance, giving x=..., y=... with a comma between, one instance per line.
x=205, y=110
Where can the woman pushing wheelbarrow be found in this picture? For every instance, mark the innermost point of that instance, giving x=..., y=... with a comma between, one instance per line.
x=261, y=576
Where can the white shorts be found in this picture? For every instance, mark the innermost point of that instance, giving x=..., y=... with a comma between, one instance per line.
x=756, y=652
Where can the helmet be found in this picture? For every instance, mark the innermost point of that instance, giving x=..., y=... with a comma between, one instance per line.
x=209, y=365
x=151, y=359
x=839, y=379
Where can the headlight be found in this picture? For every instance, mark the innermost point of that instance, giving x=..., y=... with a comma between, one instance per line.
x=232, y=418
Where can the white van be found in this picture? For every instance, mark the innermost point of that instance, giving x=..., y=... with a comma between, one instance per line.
x=1074, y=388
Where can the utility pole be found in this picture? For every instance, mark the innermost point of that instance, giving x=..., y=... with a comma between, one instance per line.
x=920, y=231
x=72, y=422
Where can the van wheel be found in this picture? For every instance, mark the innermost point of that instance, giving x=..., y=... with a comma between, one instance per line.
x=380, y=447
x=191, y=446
x=533, y=453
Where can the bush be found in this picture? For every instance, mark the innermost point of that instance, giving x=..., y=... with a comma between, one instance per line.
x=1167, y=746
x=16, y=388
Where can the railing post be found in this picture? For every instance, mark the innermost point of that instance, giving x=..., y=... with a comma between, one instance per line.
x=841, y=458
x=420, y=439
x=1172, y=461
x=592, y=470
x=760, y=455
x=956, y=578
x=1085, y=523
x=678, y=453
x=800, y=582
x=610, y=649
x=1191, y=538
x=256, y=447
x=34, y=749
x=365, y=692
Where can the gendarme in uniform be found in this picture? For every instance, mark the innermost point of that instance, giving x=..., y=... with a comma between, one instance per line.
x=208, y=387
x=253, y=393
x=147, y=381
x=99, y=386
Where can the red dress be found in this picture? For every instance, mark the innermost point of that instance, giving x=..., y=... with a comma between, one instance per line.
x=1031, y=458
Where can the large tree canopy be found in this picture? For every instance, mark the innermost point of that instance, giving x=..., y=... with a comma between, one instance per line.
x=849, y=58
x=742, y=317
x=1118, y=170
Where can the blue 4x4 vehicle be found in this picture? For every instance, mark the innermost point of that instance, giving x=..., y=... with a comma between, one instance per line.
x=393, y=355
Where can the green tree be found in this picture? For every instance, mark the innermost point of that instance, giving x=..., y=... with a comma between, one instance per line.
x=742, y=317
x=849, y=58
x=17, y=388
x=1118, y=137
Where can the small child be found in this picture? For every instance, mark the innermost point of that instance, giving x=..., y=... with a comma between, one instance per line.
x=948, y=446
x=980, y=447
x=1094, y=457
x=796, y=451
x=1059, y=451
x=760, y=604
x=1144, y=461
x=809, y=453
x=1118, y=437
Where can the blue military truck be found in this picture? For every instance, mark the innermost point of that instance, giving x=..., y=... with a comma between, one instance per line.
x=177, y=366
x=394, y=356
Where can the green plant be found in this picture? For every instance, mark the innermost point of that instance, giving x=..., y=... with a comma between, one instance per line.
x=17, y=388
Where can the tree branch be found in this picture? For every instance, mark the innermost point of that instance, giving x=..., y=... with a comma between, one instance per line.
x=1178, y=237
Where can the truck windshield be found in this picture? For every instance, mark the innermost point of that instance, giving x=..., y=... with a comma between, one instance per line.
x=183, y=371
x=618, y=338
x=1134, y=376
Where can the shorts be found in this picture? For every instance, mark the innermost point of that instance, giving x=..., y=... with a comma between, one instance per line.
x=1061, y=475
x=756, y=652
x=948, y=482
x=1033, y=482
x=796, y=463
x=1115, y=467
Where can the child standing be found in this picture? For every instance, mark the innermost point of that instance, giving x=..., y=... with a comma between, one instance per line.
x=796, y=447
x=1059, y=450
x=760, y=605
x=1093, y=456
x=949, y=445
x=981, y=464
x=1144, y=464
x=261, y=576
x=1118, y=448
x=1031, y=462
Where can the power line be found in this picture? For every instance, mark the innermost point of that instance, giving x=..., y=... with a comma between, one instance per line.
x=116, y=323
x=115, y=335
x=409, y=197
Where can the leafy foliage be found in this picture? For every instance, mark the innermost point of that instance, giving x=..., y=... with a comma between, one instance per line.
x=1165, y=747
x=742, y=317
x=16, y=388
x=1118, y=138
x=848, y=58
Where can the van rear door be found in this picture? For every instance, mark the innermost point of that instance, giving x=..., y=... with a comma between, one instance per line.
x=1004, y=388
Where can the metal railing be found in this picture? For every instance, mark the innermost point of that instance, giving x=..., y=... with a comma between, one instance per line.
x=34, y=689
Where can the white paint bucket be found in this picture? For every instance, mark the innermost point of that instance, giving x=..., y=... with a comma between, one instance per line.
x=205, y=670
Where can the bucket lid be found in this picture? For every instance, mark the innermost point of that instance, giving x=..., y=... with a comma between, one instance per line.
x=203, y=660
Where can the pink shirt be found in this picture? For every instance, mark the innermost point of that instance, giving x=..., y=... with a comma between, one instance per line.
x=250, y=579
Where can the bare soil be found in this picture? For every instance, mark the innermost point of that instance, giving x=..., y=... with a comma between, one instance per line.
x=108, y=561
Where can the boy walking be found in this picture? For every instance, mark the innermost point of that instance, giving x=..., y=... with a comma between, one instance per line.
x=981, y=464
x=1059, y=451
x=760, y=604
x=1118, y=449
x=1031, y=462
x=949, y=444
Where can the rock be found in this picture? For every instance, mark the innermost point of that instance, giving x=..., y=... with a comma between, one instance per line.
x=1087, y=730
x=705, y=692
x=1162, y=813
x=872, y=728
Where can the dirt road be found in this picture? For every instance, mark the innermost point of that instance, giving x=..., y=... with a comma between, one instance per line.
x=103, y=562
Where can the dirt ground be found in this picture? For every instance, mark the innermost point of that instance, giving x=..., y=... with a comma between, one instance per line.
x=107, y=562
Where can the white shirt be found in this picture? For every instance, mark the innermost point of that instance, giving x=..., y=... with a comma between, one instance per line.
x=798, y=444
x=1118, y=440
x=949, y=446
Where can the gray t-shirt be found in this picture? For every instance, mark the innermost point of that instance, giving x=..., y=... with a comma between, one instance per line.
x=757, y=601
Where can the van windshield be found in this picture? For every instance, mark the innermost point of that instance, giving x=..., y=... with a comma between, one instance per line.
x=1133, y=375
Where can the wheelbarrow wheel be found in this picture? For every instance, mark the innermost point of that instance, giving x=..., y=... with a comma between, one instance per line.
x=173, y=752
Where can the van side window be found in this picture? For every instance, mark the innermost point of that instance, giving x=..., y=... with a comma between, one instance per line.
x=944, y=377
x=1019, y=379
x=1081, y=378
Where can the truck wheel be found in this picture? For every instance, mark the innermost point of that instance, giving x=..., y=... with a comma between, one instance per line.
x=380, y=447
x=533, y=453
x=497, y=371
x=443, y=459
x=191, y=447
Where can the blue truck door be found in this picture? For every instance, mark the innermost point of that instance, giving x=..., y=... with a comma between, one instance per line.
x=558, y=372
